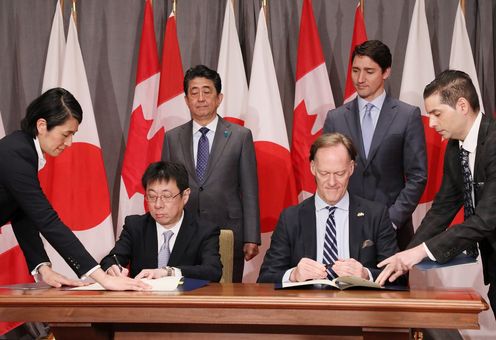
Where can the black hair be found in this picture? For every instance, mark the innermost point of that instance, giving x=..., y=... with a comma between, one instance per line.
x=55, y=106
x=201, y=71
x=375, y=50
x=166, y=171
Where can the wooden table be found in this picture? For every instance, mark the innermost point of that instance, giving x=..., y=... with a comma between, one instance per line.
x=227, y=310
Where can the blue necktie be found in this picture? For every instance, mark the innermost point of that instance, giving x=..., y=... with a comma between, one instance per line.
x=330, y=244
x=202, y=155
x=468, y=204
x=164, y=253
x=367, y=128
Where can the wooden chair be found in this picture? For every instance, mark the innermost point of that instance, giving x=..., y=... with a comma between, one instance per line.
x=226, y=250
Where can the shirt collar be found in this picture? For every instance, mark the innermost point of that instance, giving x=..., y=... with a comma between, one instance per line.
x=174, y=229
x=470, y=142
x=41, y=156
x=377, y=102
x=343, y=204
x=211, y=126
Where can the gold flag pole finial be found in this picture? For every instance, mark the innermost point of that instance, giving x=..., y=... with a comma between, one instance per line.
x=362, y=3
x=265, y=9
x=174, y=6
x=462, y=5
x=74, y=12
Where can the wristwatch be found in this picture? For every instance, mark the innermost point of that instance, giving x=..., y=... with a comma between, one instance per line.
x=169, y=270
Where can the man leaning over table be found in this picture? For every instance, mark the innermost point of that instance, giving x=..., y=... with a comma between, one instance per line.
x=166, y=241
x=469, y=181
x=332, y=233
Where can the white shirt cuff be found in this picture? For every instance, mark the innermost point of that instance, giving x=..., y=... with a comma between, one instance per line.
x=177, y=272
x=287, y=274
x=394, y=226
x=428, y=252
x=89, y=272
x=36, y=273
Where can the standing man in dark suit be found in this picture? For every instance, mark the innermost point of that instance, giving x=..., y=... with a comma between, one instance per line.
x=220, y=159
x=348, y=233
x=166, y=241
x=392, y=164
x=453, y=107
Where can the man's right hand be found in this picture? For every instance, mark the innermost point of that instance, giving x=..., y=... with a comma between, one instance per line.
x=118, y=282
x=54, y=279
x=114, y=270
x=308, y=269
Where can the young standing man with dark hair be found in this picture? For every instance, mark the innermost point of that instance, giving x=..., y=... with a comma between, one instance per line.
x=391, y=167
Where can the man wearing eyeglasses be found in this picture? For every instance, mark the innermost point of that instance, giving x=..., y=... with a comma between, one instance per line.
x=166, y=241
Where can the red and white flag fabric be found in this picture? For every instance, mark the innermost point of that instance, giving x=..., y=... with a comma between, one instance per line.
x=359, y=36
x=232, y=71
x=172, y=109
x=14, y=265
x=142, y=146
x=418, y=71
x=313, y=98
x=265, y=118
x=75, y=182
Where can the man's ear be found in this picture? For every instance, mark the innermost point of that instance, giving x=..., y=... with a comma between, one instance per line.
x=185, y=195
x=386, y=73
x=312, y=168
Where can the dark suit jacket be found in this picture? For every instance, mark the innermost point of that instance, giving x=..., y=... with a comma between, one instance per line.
x=480, y=227
x=295, y=237
x=195, y=252
x=228, y=195
x=23, y=203
x=395, y=172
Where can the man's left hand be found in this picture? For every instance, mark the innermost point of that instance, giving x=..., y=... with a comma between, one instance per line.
x=350, y=267
x=250, y=250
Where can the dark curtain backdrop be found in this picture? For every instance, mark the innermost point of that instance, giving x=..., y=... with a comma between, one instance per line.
x=109, y=33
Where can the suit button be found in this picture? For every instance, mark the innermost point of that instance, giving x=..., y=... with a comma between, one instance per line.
x=200, y=188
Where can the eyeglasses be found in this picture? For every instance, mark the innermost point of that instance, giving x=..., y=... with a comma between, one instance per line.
x=167, y=196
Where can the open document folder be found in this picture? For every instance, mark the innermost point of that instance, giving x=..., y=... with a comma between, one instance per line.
x=164, y=284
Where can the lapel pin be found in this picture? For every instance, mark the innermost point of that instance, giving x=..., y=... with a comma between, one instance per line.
x=360, y=214
x=227, y=133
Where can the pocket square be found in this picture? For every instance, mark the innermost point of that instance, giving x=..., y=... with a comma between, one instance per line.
x=367, y=243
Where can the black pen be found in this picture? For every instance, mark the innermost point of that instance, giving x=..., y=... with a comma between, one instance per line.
x=117, y=262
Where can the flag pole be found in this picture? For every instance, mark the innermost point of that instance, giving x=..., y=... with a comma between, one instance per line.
x=362, y=3
x=62, y=7
x=74, y=13
x=266, y=10
x=174, y=5
x=462, y=5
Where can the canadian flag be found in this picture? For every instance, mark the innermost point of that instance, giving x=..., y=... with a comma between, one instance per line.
x=142, y=146
x=232, y=71
x=359, y=36
x=313, y=98
x=172, y=109
x=75, y=182
x=265, y=118
x=14, y=266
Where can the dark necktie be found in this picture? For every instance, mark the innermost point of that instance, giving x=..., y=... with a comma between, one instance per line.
x=367, y=128
x=164, y=252
x=468, y=204
x=330, y=244
x=202, y=155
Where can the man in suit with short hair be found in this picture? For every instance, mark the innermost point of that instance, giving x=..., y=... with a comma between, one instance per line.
x=392, y=164
x=333, y=233
x=166, y=241
x=469, y=181
x=220, y=159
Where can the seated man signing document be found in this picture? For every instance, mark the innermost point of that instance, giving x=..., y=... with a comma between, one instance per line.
x=166, y=241
x=332, y=233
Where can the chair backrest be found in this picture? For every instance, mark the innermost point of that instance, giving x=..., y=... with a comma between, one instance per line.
x=226, y=250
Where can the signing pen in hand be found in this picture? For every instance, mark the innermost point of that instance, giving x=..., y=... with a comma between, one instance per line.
x=117, y=262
